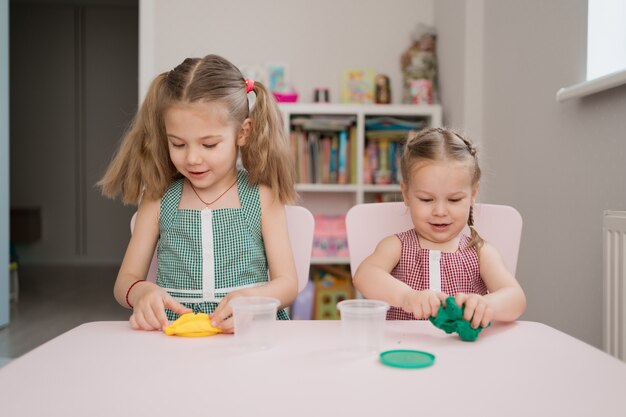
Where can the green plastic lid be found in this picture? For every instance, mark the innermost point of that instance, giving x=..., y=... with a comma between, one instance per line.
x=407, y=358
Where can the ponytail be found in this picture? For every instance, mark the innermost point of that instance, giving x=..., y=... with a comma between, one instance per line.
x=265, y=155
x=142, y=163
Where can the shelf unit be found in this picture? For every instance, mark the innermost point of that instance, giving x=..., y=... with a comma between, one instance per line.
x=338, y=198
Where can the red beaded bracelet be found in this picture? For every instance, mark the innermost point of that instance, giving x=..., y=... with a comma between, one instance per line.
x=130, y=288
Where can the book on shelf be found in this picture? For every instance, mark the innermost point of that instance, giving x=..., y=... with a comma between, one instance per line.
x=323, y=122
x=381, y=161
x=385, y=137
x=393, y=123
x=324, y=149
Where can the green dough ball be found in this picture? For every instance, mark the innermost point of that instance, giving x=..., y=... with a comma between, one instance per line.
x=450, y=319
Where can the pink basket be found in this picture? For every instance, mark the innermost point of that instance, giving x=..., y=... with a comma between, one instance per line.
x=290, y=97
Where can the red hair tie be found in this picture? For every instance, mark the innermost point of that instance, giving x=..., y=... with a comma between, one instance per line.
x=249, y=84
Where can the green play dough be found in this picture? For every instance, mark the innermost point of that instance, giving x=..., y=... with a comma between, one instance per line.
x=450, y=319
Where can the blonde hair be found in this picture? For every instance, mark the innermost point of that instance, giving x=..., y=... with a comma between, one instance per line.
x=142, y=163
x=440, y=144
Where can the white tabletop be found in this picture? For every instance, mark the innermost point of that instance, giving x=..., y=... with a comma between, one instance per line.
x=107, y=369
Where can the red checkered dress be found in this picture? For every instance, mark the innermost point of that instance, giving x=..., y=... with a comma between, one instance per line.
x=459, y=270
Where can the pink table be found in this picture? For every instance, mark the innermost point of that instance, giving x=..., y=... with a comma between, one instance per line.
x=107, y=369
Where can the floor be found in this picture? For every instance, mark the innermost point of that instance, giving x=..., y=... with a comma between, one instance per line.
x=53, y=300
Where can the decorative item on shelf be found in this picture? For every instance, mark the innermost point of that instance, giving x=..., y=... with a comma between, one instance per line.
x=332, y=285
x=419, y=63
x=290, y=96
x=277, y=79
x=278, y=84
x=320, y=95
x=421, y=91
x=382, y=92
x=357, y=86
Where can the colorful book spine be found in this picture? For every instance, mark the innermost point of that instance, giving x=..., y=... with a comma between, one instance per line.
x=334, y=153
x=343, y=155
x=353, y=155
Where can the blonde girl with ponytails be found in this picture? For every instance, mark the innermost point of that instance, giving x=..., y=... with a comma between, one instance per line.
x=220, y=232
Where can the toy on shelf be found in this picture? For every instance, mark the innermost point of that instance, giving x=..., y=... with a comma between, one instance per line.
x=382, y=91
x=450, y=319
x=332, y=285
x=419, y=67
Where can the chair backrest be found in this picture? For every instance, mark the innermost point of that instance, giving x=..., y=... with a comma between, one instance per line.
x=368, y=224
x=301, y=225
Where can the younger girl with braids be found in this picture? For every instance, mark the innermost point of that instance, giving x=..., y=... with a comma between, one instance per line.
x=441, y=177
x=217, y=229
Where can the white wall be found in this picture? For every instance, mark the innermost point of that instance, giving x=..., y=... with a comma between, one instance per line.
x=559, y=164
x=315, y=39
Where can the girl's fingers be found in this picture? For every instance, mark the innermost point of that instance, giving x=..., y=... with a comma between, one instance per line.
x=222, y=317
x=228, y=325
x=175, y=306
x=152, y=320
x=141, y=322
x=434, y=306
x=218, y=314
x=133, y=322
x=487, y=317
x=417, y=312
x=460, y=298
x=477, y=318
x=442, y=296
x=159, y=312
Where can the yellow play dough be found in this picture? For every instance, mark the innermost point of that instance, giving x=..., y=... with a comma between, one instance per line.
x=192, y=325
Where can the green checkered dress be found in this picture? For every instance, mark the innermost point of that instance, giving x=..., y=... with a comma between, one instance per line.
x=205, y=254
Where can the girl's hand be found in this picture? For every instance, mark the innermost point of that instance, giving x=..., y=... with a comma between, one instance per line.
x=222, y=317
x=423, y=304
x=477, y=309
x=150, y=302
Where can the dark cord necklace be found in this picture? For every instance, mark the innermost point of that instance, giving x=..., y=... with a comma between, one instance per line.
x=211, y=202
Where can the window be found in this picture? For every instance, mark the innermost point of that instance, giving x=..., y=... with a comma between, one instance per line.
x=606, y=51
x=606, y=37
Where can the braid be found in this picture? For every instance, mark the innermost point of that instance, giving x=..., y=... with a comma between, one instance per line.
x=471, y=148
x=475, y=241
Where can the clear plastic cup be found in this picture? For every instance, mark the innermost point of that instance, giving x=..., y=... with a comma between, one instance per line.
x=362, y=324
x=254, y=319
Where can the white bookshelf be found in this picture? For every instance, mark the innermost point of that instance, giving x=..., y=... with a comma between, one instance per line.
x=339, y=198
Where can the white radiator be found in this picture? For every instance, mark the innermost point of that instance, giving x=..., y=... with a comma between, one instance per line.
x=614, y=275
